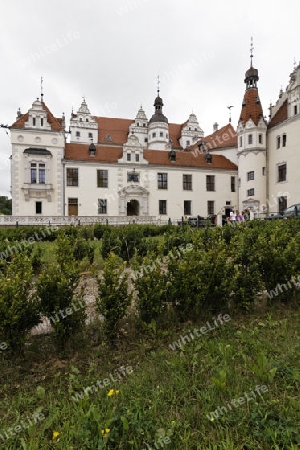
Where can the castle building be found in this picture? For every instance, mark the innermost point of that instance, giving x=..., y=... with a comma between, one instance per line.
x=153, y=169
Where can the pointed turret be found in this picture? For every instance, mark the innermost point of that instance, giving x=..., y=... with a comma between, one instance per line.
x=158, y=137
x=251, y=133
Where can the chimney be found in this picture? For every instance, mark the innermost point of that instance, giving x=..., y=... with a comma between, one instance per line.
x=215, y=126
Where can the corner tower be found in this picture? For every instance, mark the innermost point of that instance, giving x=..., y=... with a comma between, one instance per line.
x=251, y=132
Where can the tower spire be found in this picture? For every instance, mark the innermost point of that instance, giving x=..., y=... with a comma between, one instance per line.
x=251, y=51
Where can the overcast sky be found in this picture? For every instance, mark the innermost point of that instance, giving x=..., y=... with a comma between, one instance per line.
x=111, y=51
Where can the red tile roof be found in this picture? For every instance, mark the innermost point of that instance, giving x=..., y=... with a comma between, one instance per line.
x=54, y=122
x=80, y=152
x=111, y=154
x=222, y=138
x=253, y=108
x=117, y=129
x=188, y=159
x=280, y=116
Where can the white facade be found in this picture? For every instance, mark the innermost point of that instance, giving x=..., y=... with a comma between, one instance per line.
x=153, y=168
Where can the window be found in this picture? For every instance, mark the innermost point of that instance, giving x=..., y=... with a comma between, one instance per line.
x=37, y=173
x=282, y=203
x=161, y=134
x=137, y=157
x=210, y=207
x=188, y=143
x=153, y=135
x=144, y=124
x=260, y=138
x=128, y=156
x=278, y=142
x=102, y=206
x=42, y=121
x=295, y=109
x=162, y=206
x=146, y=140
x=138, y=124
x=38, y=207
x=241, y=141
x=77, y=133
x=250, y=139
x=187, y=207
x=33, y=173
x=187, y=182
x=80, y=119
x=33, y=121
x=90, y=135
x=250, y=175
x=264, y=171
x=86, y=119
x=72, y=177
x=102, y=178
x=162, y=181
x=281, y=172
x=284, y=140
x=133, y=176
x=250, y=192
x=210, y=182
x=108, y=137
x=232, y=184
x=42, y=174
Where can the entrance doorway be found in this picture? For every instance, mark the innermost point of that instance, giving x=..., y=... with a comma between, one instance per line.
x=73, y=207
x=133, y=208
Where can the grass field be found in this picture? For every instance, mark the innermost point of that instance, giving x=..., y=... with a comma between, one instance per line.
x=233, y=386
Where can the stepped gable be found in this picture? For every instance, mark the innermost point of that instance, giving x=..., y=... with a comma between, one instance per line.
x=54, y=122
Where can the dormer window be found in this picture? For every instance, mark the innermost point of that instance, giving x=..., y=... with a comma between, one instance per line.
x=80, y=119
x=188, y=143
x=128, y=156
x=138, y=124
x=33, y=121
x=42, y=122
x=77, y=133
x=86, y=120
x=250, y=139
x=137, y=157
x=92, y=149
x=90, y=135
x=154, y=135
x=144, y=124
x=108, y=137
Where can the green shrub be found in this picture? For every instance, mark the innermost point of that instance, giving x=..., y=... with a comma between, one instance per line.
x=19, y=307
x=56, y=289
x=113, y=296
x=152, y=290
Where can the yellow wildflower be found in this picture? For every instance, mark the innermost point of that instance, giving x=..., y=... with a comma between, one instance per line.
x=112, y=392
x=55, y=434
x=105, y=432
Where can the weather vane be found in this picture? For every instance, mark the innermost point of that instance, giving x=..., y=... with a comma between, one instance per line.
x=251, y=49
x=229, y=107
x=42, y=94
x=158, y=83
